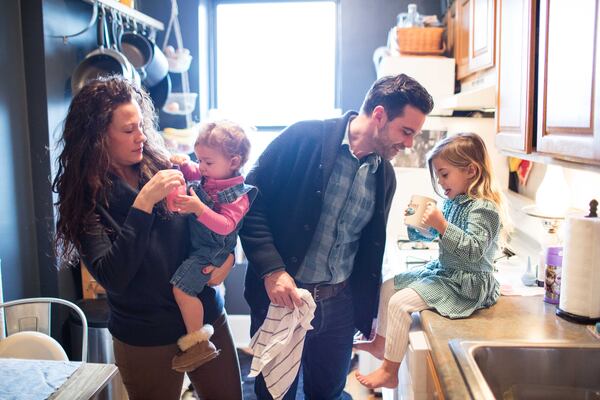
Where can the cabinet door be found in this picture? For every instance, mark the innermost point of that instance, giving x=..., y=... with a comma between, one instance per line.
x=461, y=37
x=568, y=122
x=481, y=42
x=516, y=73
x=474, y=36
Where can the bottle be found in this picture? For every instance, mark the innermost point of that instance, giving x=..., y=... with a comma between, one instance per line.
x=410, y=19
x=550, y=239
x=553, y=274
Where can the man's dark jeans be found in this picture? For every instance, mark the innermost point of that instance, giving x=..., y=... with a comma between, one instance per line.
x=327, y=351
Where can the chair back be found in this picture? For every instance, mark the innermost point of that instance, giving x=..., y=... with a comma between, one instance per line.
x=28, y=329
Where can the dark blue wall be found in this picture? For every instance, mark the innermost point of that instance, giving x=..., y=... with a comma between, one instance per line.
x=17, y=225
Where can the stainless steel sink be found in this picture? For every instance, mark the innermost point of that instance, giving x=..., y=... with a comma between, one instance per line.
x=525, y=370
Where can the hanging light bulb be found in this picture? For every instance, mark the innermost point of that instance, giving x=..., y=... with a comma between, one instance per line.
x=553, y=195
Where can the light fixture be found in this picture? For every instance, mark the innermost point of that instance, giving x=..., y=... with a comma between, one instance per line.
x=552, y=201
x=552, y=198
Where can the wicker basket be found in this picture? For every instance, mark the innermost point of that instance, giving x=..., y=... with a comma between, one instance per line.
x=420, y=41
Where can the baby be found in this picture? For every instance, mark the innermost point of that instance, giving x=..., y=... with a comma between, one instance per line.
x=217, y=201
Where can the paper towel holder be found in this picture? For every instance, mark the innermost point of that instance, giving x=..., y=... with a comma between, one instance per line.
x=593, y=209
x=572, y=317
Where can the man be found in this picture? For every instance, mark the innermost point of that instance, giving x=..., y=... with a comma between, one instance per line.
x=318, y=222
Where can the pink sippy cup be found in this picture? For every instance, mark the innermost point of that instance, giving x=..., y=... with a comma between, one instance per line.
x=181, y=189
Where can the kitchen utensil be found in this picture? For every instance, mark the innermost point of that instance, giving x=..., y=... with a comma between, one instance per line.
x=102, y=61
x=147, y=58
x=160, y=92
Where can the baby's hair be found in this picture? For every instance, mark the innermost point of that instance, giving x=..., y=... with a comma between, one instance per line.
x=226, y=137
x=462, y=150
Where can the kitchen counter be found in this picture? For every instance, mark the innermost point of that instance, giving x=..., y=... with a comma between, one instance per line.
x=512, y=318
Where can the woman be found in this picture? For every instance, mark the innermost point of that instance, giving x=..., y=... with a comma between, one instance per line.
x=113, y=176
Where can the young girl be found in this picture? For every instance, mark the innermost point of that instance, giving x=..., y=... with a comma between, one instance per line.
x=218, y=200
x=461, y=280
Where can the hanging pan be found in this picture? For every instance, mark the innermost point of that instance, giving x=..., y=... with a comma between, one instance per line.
x=100, y=62
x=149, y=61
x=160, y=92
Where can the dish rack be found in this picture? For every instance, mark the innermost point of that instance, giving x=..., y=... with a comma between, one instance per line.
x=179, y=60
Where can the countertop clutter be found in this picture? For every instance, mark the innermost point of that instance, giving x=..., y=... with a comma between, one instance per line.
x=522, y=318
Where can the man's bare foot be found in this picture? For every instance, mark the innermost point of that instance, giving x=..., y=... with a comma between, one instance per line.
x=385, y=376
x=375, y=347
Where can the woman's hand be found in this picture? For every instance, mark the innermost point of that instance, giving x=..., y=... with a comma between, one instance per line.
x=433, y=217
x=157, y=189
x=218, y=275
x=189, y=204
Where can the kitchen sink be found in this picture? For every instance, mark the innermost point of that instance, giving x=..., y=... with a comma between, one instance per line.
x=526, y=370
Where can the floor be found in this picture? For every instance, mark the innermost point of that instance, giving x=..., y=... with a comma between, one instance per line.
x=353, y=387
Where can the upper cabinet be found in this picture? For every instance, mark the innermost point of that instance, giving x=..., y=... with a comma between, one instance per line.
x=563, y=121
x=474, y=36
x=516, y=74
x=568, y=117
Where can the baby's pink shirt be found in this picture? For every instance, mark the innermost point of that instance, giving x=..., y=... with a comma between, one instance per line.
x=225, y=217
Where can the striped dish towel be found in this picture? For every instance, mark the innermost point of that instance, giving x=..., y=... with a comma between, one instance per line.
x=278, y=344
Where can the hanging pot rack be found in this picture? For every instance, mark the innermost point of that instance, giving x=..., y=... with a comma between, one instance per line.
x=130, y=12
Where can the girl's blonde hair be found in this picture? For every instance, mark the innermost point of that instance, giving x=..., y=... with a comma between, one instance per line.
x=225, y=136
x=462, y=150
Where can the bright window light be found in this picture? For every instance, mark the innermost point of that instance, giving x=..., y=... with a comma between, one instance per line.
x=276, y=61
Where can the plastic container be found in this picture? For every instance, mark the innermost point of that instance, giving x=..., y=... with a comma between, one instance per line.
x=410, y=19
x=553, y=272
x=180, y=103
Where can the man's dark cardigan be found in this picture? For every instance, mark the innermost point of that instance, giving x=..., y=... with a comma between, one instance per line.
x=291, y=176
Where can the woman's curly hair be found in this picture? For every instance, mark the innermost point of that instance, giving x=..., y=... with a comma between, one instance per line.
x=83, y=178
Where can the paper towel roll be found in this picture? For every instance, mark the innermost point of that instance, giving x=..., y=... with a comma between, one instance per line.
x=580, y=286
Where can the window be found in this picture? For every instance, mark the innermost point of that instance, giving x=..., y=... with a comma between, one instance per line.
x=275, y=62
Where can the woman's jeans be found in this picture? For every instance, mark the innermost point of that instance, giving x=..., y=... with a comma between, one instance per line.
x=327, y=351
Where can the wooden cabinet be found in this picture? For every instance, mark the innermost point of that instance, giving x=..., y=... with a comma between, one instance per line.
x=568, y=123
x=474, y=36
x=434, y=387
x=563, y=122
x=515, y=46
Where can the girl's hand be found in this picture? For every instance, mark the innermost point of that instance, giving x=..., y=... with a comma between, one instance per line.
x=189, y=204
x=434, y=218
x=218, y=275
x=179, y=159
x=157, y=188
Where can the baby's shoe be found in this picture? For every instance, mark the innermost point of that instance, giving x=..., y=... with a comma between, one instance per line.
x=195, y=350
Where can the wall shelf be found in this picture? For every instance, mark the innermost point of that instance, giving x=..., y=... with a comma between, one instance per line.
x=130, y=12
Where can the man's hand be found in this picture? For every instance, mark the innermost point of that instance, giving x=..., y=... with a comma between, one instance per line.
x=281, y=290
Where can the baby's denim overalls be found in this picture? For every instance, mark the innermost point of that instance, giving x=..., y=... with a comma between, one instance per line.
x=208, y=247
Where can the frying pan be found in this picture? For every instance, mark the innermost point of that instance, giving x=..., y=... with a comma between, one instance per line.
x=149, y=61
x=101, y=61
x=160, y=92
